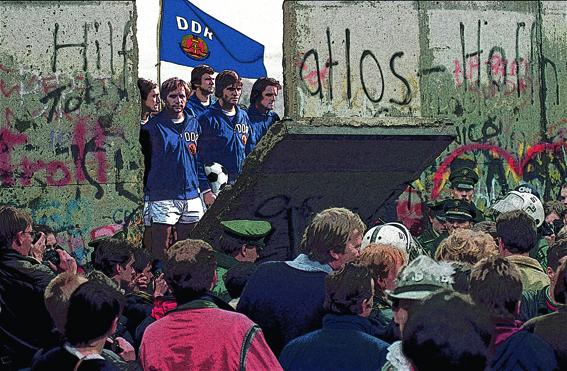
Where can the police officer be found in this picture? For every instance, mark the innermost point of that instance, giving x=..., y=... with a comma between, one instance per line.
x=459, y=214
x=463, y=181
x=436, y=231
x=241, y=241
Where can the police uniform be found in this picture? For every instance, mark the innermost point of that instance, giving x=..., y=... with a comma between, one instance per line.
x=466, y=178
x=460, y=210
x=249, y=232
x=430, y=238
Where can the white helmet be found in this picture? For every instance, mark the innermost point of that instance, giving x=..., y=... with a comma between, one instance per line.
x=395, y=234
x=515, y=200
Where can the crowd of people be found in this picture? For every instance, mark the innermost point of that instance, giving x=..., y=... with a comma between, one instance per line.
x=476, y=290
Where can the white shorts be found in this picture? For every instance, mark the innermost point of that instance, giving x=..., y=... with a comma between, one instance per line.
x=171, y=212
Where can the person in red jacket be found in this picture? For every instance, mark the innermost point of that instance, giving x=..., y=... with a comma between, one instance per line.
x=203, y=332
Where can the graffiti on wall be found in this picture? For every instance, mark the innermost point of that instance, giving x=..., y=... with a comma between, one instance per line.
x=68, y=127
x=498, y=74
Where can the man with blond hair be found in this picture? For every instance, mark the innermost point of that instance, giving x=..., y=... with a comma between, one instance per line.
x=57, y=296
x=384, y=263
x=286, y=298
x=203, y=332
x=467, y=246
x=175, y=174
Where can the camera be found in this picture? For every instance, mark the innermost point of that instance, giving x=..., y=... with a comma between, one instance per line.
x=51, y=255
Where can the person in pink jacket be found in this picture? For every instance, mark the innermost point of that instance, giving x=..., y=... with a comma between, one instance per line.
x=203, y=332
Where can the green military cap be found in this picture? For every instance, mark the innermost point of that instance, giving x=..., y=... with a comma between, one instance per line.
x=252, y=232
x=463, y=178
x=436, y=209
x=459, y=210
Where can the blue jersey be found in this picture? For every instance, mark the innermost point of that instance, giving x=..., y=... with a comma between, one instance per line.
x=174, y=170
x=259, y=124
x=224, y=138
x=195, y=106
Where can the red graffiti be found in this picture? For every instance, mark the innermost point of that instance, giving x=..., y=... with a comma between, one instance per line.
x=409, y=209
x=517, y=166
x=57, y=172
x=106, y=231
x=8, y=92
x=311, y=76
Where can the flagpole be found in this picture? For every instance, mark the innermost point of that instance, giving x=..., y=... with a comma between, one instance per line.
x=158, y=65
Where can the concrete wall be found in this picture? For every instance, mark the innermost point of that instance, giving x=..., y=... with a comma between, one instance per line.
x=69, y=111
x=498, y=70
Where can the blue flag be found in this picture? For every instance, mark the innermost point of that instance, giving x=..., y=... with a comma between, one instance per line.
x=190, y=37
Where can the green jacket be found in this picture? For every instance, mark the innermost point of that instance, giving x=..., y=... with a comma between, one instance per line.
x=224, y=262
x=430, y=240
x=539, y=253
x=532, y=274
x=537, y=303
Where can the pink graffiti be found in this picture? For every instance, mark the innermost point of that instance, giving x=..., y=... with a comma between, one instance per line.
x=106, y=231
x=409, y=209
x=515, y=165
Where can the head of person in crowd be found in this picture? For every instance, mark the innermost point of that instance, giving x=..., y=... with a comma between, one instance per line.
x=264, y=94
x=384, y=262
x=228, y=88
x=16, y=231
x=57, y=295
x=244, y=239
x=189, y=268
x=556, y=255
x=202, y=82
x=349, y=291
x=517, y=233
x=563, y=193
x=93, y=314
x=496, y=285
x=174, y=93
x=462, y=182
x=462, y=276
x=433, y=338
x=459, y=214
x=466, y=245
x=236, y=277
x=142, y=269
x=115, y=258
x=554, y=212
x=560, y=289
x=487, y=226
x=436, y=215
x=149, y=96
x=395, y=234
x=333, y=237
x=50, y=235
x=420, y=278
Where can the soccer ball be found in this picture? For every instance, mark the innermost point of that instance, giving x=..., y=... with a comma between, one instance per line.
x=217, y=176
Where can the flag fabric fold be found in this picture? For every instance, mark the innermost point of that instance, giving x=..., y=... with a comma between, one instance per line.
x=189, y=37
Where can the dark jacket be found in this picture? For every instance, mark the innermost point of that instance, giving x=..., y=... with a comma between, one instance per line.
x=25, y=324
x=59, y=358
x=344, y=343
x=195, y=107
x=259, y=125
x=224, y=138
x=173, y=168
x=284, y=300
x=523, y=351
x=536, y=303
x=552, y=328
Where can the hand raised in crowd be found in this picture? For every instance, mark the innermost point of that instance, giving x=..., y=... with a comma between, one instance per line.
x=160, y=286
x=140, y=282
x=38, y=248
x=128, y=353
x=66, y=263
x=209, y=198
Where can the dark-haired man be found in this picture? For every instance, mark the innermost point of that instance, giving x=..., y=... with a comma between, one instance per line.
x=262, y=100
x=115, y=258
x=541, y=302
x=25, y=324
x=459, y=214
x=93, y=312
x=203, y=87
x=345, y=341
x=517, y=235
x=225, y=126
x=175, y=174
x=496, y=286
x=202, y=332
x=149, y=96
x=286, y=298
x=462, y=182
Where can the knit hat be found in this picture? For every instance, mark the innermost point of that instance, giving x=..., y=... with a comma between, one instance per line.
x=421, y=277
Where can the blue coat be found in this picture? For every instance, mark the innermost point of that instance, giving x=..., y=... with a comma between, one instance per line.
x=224, y=138
x=344, y=343
x=259, y=124
x=195, y=106
x=174, y=170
